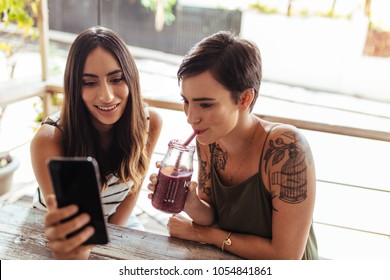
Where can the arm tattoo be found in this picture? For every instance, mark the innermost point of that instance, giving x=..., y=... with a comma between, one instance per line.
x=292, y=177
x=219, y=157
x=203, y=177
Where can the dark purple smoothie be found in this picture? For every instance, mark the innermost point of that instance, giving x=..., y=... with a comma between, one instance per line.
x=171, y=190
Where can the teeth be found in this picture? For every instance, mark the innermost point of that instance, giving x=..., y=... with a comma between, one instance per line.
x=107, y=108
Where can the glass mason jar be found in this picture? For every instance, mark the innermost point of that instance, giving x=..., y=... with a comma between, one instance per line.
x=173, y=178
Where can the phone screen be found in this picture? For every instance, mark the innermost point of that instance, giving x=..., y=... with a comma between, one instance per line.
x=77, y=181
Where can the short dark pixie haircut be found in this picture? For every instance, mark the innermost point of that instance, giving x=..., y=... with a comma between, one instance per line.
x=233, y=62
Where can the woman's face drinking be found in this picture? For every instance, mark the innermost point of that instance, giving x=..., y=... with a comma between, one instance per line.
x=209, y=107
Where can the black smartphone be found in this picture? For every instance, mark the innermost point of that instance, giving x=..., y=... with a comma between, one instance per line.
x=76, y=180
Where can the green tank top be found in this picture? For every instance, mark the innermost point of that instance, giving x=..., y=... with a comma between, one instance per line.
x=247, y=208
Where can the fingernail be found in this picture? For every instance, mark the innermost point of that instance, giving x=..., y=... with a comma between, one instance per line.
x=90, y=230
x=74, y=208
x=86, y=218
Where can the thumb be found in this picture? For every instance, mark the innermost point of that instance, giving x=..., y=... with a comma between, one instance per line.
x=192, y=186
x=51, y=202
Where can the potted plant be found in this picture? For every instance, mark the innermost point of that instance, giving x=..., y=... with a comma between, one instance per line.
x=8, y=165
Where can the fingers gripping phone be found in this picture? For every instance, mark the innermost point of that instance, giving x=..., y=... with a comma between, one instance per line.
x=76, y=180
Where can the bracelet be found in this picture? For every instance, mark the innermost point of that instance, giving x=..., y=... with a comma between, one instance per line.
x=227, y=241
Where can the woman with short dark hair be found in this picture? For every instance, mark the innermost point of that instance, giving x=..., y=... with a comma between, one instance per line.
x=256, y=184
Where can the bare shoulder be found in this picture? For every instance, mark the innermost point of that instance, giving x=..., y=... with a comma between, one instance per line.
x=47, y=143
x=47, y=137
x=156, y=121
x=155, y=125
x=286, y=131
x=285, y=141
x=287, y=159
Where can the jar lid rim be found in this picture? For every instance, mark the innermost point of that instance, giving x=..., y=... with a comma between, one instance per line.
x=178, y=144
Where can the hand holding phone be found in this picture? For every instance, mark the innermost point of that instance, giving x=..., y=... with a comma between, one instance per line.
x=76, y=180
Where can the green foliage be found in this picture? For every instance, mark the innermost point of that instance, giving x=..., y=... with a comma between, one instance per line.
x=307, y=9
x=5, y=159
x=20, y=12
x=169, y=6
x=264, y=9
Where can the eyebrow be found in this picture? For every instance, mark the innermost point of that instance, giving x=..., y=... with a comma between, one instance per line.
x=200, y=98
x=108, y=74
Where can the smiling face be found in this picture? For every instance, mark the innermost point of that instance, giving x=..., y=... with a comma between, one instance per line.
x=209, y=107
x=104, y=89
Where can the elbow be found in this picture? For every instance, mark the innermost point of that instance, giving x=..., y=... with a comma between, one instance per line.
x=205, y=222
x=289, y=255
x=284, y=252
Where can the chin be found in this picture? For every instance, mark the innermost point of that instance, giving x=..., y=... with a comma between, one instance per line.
x=105, y=122
x=109, y=122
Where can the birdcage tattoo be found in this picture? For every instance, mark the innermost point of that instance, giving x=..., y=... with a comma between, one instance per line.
x=292, y=179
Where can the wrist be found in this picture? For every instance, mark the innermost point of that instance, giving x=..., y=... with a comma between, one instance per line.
x=200, y=233
x=227, y=241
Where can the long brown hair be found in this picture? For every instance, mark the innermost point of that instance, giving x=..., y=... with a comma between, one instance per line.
x=127, y=157
x=234, y=62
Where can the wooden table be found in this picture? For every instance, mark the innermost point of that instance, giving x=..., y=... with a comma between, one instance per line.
x=22, y=237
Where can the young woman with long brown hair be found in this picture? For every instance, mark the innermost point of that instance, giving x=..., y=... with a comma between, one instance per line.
x=104, y=117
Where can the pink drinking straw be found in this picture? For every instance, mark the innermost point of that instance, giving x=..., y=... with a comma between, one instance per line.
x=188, y=141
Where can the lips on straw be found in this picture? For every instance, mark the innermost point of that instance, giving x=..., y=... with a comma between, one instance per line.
x=188, y=141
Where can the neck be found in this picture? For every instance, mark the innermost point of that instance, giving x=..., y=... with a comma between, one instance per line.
x=242, y=136
x=105, y=139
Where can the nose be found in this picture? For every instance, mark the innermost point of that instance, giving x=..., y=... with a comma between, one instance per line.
x=193, y=116
x=106, y=94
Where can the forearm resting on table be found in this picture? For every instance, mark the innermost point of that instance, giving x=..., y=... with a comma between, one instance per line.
x=256, y=247
x=124, y=210
x=244, y=245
